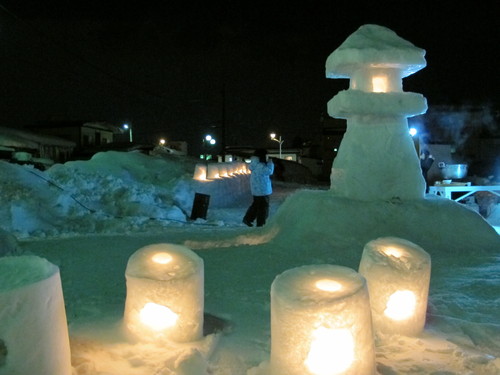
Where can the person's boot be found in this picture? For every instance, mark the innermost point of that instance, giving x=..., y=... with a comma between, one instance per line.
x=247, y=222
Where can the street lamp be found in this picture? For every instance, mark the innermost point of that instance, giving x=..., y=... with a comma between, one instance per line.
x=162, y=142
x=279, y=140
x=208, y=140
x=129, y=128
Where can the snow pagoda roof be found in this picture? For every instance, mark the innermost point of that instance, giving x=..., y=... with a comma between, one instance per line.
x=374, y=46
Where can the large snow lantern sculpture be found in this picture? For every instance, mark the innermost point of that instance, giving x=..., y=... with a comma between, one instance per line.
x=377, y=158
x=398, y=275
x=33, y=329
x=165, y=294
x=321, y=322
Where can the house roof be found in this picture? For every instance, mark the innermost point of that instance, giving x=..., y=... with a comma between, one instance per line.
x=10, y=137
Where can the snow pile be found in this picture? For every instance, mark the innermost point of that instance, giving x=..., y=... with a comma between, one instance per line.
x=112, y=192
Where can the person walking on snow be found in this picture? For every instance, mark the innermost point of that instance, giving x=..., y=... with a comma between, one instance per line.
x=261, y=188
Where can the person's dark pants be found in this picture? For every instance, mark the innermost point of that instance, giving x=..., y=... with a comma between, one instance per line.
x=259, y=209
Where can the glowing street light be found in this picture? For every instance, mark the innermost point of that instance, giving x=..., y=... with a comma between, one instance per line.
x=162, y=142
x=279, y=140
x=210, y=141
x=129, y=128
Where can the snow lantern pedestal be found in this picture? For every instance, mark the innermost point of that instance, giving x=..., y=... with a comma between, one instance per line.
x=165, y=294
x=377, y=159
x=398, y=275
x=33, y=328
x=321, y=322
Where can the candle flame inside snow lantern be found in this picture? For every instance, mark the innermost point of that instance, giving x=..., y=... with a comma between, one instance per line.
x=164, y=294
x=321, y=322
x=33, y=329
x=398, y=276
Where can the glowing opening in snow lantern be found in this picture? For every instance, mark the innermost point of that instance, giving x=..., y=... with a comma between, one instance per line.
x=33, y=328
x=378, y=79
x=200, y=172
x=398, y=276
x=321, y=322
x=164, y=294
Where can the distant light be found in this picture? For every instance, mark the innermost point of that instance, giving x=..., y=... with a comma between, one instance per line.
x=125, y=126
x=162, y=142
x=413, y=132
x=212, y=141
x=208, y=138
x=272, y=135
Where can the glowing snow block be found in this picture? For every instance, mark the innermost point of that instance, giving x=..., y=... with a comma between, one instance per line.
x=321, y=322
x=164, y=294
x=33, y=328
x=398, y=275
x=212, y=171
x=200, y=172
x=223, y=171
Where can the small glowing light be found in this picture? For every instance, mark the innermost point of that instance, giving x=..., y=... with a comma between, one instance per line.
x=379, y=84
x=272, y=135
x=413, y=132
x=392, y=251
x=208, y=137
x=401, y=305
x=162, y=142
x=162, y=258
x=332, y=351
x=125, y=126
x=328, y=285
x=157, y=317
x=212, y=141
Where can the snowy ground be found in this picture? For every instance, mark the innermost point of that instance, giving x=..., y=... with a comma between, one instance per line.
x=104, y=210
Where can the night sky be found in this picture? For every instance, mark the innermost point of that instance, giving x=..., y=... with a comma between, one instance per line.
x=182, y=69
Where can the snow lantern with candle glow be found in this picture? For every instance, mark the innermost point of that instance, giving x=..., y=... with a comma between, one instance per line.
x=200, y=172
x=165, y=294
x=33, y=328
x=212, y=171
x=398, y=275
x=386, y=165
x=321, y=322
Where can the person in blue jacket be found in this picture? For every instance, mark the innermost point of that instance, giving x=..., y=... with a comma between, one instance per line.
x=261, y=188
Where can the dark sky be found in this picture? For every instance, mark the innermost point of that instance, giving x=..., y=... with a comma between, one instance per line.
x=174, y=69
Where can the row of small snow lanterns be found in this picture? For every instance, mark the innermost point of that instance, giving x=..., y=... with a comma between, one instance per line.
x=322, y=316
x=212, y=171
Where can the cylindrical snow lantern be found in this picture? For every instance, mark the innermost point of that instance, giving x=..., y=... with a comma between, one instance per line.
x=165, y=294
x=200, y=172
x=33, y=328
x=398, y=274
x=212, y=171
x=321, y=323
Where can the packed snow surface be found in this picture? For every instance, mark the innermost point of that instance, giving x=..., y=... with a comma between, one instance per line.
x=307, y=226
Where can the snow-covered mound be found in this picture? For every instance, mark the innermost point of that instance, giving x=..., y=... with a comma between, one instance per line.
x=114, y=191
